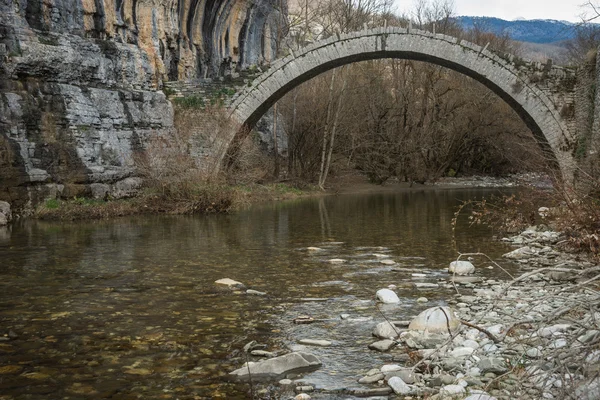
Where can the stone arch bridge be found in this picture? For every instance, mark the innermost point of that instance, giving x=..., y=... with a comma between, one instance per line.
x=542, y=95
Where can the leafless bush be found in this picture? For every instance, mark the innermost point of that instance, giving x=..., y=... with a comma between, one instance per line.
x=181, y=171
x=575, y=213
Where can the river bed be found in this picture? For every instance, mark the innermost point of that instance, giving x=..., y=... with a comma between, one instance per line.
x=128, y=308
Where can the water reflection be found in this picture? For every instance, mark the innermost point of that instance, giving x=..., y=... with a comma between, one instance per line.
x=128, y=307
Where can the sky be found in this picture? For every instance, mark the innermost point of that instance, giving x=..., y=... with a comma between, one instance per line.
x=567, y=10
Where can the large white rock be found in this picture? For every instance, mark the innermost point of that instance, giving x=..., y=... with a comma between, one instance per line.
x=398, y=385
x=387, y=296
x=230, y=283
x=461, y=268
x=275, y=368
x=435, y=320
x=385, y=330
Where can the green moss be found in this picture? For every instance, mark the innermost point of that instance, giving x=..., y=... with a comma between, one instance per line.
x=52, y=204
x=190, y=102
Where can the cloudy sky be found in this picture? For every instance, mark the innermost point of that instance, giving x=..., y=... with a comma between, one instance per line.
x=568, y=10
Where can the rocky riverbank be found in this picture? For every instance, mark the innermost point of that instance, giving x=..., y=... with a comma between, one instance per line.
x=530, y=336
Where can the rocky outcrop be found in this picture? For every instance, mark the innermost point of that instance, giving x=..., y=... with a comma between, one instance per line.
x=80, y=81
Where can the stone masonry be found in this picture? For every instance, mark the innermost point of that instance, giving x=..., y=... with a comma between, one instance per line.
x=541, y=94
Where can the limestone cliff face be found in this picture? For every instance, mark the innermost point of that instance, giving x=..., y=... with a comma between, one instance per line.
x=80, y=80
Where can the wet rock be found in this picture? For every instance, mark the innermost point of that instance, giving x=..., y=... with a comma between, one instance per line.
x=387, y=296
x=262, y=353
x=336, y=261
x=422, y=300
x=5, y=213
x=425, y=285
x=304, y=319
x=137, y=371
x=372, y=376
x=382, y=345
x=302, y=396
x=230, y=283
x=285, y=382
x=304, y=388
x=315, y=342
x=277, y=367
x=461, y=268
x=255, y=292
x=522, y=253
x=386, y=330
x=360, y=392
x=466, y=279
x=435, y=320
x=10, y=369
x=314, y=249
x=387, y=262
x=398, y=385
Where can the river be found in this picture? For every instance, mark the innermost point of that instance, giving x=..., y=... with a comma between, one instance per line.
x=128, y=308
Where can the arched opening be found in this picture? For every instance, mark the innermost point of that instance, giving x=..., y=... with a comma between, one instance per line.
x=528, y=101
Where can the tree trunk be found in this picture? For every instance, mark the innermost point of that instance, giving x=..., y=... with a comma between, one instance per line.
x=334, y=128
x=275, y=146
x=324, y=148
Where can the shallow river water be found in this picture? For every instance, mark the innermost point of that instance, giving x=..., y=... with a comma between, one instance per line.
x=128, y=308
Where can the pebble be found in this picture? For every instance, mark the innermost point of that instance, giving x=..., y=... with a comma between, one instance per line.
x=422, y=300
x=425, y=285
x=255, y=292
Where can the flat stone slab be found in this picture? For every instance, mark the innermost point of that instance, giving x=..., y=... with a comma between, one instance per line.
x=276, y=368
x=382, y=345
x=315, y=342
x=230, y=283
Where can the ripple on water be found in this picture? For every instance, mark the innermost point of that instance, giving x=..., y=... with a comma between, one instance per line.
x=129, y=308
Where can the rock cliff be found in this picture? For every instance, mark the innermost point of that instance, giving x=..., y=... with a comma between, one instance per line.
x=81, y=80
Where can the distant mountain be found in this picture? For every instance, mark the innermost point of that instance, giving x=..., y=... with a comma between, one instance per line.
x=532, y=31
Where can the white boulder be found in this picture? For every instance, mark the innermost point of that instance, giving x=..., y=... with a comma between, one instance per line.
x=435, y=320
x=387, y=296
x=461, y=267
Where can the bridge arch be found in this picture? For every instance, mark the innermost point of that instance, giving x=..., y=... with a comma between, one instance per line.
x=511, y=83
